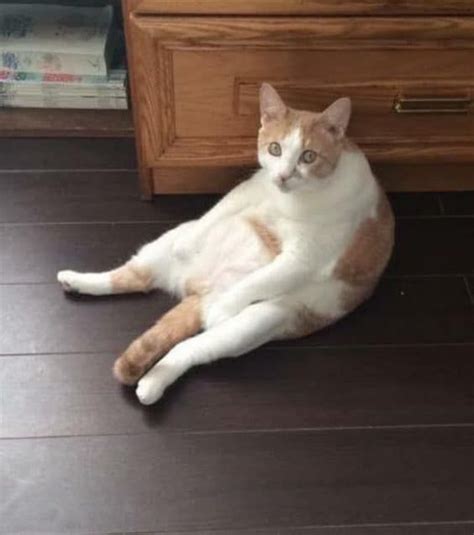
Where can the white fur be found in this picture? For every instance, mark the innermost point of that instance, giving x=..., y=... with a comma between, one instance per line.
x=252, y=298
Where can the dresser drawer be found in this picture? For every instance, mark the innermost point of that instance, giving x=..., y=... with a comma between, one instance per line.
x=196, y=79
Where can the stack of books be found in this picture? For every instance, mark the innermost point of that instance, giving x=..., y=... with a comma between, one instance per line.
x=54, y=56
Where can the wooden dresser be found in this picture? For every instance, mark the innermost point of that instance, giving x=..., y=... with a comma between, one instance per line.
x=196, y=65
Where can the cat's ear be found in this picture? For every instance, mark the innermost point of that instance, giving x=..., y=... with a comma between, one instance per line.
x=272, y=108
x=336, y=117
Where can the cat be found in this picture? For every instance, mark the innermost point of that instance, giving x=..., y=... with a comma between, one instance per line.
x=286, y=253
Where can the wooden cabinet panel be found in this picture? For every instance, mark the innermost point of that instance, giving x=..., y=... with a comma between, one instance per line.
x=306, y=7
x=195, y=82
x=197, y=79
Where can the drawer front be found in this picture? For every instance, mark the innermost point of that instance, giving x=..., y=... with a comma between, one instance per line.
x=196, y=82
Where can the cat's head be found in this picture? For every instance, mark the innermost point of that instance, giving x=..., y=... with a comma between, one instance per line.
x=300, y=149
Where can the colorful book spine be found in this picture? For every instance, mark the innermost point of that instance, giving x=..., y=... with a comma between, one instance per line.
x=20, y=76
x=114, y=86
x=44, y=101
x=55, y=63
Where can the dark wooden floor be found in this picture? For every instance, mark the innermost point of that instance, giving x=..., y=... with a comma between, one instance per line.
x=365, y=429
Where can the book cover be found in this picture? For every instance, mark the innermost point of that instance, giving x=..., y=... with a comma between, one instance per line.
x=55, y=39
x=53, y=101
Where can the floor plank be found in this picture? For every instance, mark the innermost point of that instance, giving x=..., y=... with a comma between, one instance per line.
x=461, y=528
x=105, y=196
x=33, y=254
x=67, y=153
x=232, y=481
x=470, y=288
x=406, y=311
x=277, y=388
x=95, y=196
x=41, y=319
x=55, y=122
x=364, y=429
x=415, y=204
x=458, y=203
x=433, y=246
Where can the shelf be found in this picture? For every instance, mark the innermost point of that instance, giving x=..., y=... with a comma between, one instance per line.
x=25, y=122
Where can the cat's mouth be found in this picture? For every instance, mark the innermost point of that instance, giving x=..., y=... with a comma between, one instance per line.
x=283, y=185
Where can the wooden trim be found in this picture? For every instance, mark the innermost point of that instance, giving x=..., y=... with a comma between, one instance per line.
x=308, y=7
x=309, y=32
x=50, y=122
x=394, y=177
x=133, y=42
x=197, y=180
x=202, y=152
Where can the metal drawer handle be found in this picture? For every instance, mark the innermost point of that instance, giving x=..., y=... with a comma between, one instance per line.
x=461, y=104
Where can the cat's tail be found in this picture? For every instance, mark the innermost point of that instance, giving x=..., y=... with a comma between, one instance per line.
x=181, y=322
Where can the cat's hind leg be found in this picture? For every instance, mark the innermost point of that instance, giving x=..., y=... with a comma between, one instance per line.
x=181, y=322
x=154, y=266
x=255, y=325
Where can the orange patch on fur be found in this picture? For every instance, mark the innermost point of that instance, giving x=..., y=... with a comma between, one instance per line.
x=196, y=286
x=181, y=322
x=307, y=322
x=131, y=278
x=367, y=255
x=269, y=239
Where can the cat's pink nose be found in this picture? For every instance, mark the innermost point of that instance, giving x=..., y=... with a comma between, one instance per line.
x=283, y=178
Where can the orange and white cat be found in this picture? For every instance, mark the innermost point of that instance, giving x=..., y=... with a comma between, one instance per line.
x=287, y=252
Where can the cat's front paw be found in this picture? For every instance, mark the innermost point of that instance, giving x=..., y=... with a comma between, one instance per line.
x=69, y=280
x=149, y=390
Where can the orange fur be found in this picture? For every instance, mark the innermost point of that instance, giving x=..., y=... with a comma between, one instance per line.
x=269, y=239
x=130, y=278
x=181, y=322
x=307, y=322
x=367, y=255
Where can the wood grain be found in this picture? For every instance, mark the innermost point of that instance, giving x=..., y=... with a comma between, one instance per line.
x=97, y=196
x=234, y=481
x=272, y=389
x=416, y=528
x=192, y=180
x=405, y=177
x=49, y=154
x=365, y=429
x=41, y=319
x=34, y=253
x=418, y=244
x=190, y=118
x=22, y=122
x=309, y=7
x=458, y=203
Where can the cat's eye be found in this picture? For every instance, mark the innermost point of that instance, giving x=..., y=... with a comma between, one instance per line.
x=308, y=156
x=274, y=149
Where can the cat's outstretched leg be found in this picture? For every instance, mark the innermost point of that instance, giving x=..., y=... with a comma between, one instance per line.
x=131, y=277
x=154, y=266
x=254, y=326
x=181, y=322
